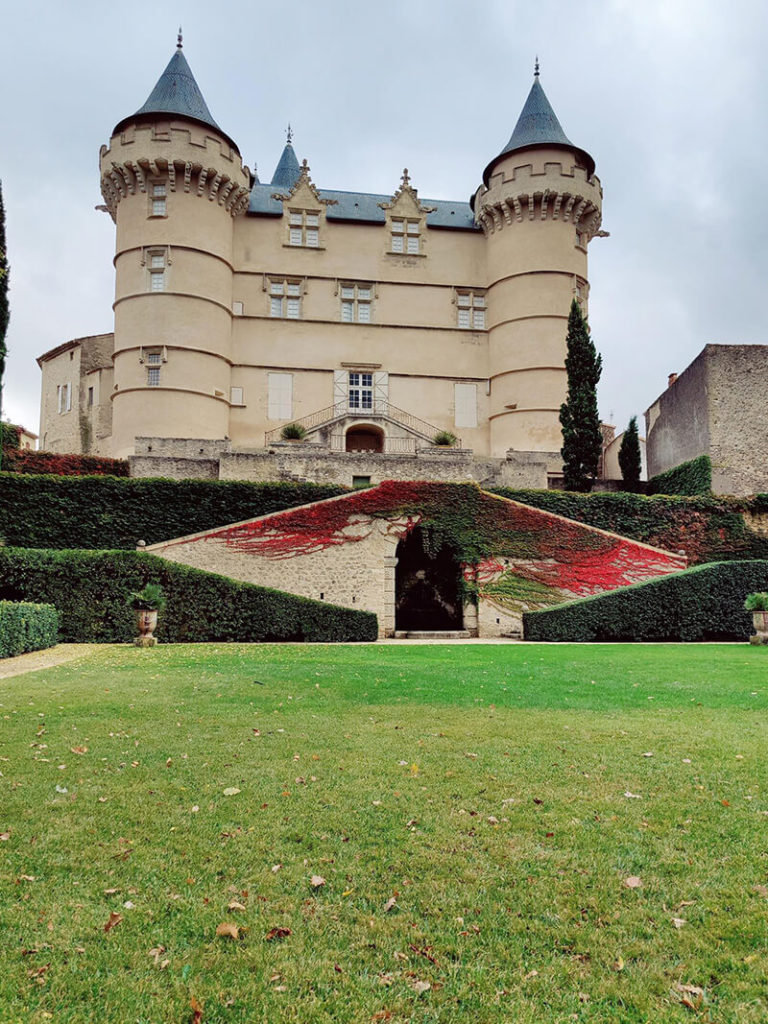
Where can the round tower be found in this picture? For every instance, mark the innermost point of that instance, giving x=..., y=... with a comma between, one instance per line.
x=173, y=182
x=539, y=206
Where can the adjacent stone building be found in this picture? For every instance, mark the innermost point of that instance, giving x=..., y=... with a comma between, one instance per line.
x=375, y=322
x=715, y=407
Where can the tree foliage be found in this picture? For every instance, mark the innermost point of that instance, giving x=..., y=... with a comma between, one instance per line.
x=582, y=438
x=5, y=314
x=629, y=456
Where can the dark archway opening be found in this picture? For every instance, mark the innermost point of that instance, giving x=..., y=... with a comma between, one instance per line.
x=428, y=590
x=365, y=439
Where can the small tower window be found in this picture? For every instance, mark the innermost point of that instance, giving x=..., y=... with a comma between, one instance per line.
x=157, y=264
x=158, y=200
x=304, y=229
x=154, y=361
x=356, y=303
x=470, y=308
x=405, y=236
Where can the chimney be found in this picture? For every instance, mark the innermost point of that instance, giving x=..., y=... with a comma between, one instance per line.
x=671, y=380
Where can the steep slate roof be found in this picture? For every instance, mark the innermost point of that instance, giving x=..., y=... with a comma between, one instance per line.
x=362, y=207
x=176, y=92
x=287, y=171
x=538, y=126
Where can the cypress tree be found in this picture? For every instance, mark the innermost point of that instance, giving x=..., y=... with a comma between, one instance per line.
x=582, y=438
x=629, y=456
x=5, y=314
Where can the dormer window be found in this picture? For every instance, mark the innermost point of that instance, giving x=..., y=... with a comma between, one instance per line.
x=304, y=228
x=405, y=236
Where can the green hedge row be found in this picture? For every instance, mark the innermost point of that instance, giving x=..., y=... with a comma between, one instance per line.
x=104, y=512
x=694, y=477
x=26, y=627
x=704, y=603
x=90, y=588
x=708, y=529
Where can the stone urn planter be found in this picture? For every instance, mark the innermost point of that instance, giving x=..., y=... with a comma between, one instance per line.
x=147, y=603
x=757, y=603
x=760, y=622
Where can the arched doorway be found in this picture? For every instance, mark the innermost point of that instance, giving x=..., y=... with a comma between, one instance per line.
x=428, y=592
x=364, y=438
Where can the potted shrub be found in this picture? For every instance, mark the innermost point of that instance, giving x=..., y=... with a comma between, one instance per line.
x=293, y=432
x=757, y=603
x=147, y=603
x=444, y=439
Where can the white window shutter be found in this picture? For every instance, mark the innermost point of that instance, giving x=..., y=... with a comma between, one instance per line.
x=279, y=396
x=380, y=391
x=340, y=383
x=465, y=405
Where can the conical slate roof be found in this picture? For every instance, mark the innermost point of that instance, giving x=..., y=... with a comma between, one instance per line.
x=287, y=171
x=538, y=126
x=177, y=93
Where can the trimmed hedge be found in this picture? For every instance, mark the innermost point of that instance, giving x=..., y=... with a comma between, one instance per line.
x=90, y=590
x=694, y=477
x=25, y=461
x=108, y=512
x=704, y=603
x=26, y=627
x=708, y=529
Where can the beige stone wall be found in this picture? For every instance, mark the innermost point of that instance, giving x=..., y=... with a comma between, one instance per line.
x=86, y=365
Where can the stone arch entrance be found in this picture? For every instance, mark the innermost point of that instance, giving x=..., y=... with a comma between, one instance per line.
x=364, y=437
x=428, y=586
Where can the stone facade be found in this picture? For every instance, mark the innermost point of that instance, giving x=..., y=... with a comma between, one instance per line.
x=715, y=407
x=345, y=551
x=76, y=406
x=374, y=321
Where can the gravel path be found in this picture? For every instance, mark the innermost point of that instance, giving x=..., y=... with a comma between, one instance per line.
x=48, y=659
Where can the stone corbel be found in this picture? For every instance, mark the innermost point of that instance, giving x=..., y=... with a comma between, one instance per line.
x=568, y=208
x=172, y=175
x=531, y=206
x=201, y=180
x=559, y=196
x=518, y=209
x=224, y=192
x=544, y=200
x=187, y=176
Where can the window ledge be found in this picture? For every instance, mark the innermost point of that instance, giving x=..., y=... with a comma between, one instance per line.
x=309, y=248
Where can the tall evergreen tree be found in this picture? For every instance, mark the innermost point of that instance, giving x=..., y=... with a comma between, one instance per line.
x=582, y=438
x=629, y=456
x=5, y=314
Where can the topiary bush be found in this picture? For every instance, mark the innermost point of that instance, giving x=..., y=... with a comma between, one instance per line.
x=90, y=591
x=26, y=627
x=108, y=512
x=694, y=477
x=703, y=603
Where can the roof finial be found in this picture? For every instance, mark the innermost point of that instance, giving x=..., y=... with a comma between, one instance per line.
x=179, y=39
x=289, y=134
x=536, y=67
x=406, y=177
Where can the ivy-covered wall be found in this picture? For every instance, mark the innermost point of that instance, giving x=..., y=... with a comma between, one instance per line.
x=693, y=477
x=707, y=529
x=512, y=556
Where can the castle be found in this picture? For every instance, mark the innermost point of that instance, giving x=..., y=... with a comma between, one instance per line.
x=380, y=324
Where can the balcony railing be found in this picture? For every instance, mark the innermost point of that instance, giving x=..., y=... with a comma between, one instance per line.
x=391, y=446
x=379, y=408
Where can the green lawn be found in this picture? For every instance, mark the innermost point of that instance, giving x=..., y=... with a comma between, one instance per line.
x=475, y=812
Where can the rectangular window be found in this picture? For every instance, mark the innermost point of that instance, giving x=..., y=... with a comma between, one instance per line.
x=285, y=299
x=470, y=308
x=158, y=200
x=356, y=303
x=304, y=229
x=360, y=391
x=465, y=405
x=279, y=396
x=235, y=396
x=153, y=376
x=406, y=236
x=153, y=358
x=64, y=397
x=156, y=261
x=90, y=398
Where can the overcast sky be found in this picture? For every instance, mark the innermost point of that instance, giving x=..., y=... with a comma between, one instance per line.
x=670, y=97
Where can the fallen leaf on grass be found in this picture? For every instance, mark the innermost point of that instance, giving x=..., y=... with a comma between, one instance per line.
x=633, y=882
x=110, y=892
x=426, y=952
x=26, y=878
x=197, y=1011
x=382, y=1015
x=79, y=750
x=531, y=974
x=618, y=965
x=277, y=933
x=690, y=995
x=390, y=904
x=234, y=905
x=317, y=881
x=420, y=987
x=583, y=997
x=632, y=796
x=275, y=868
x=386, y=979
x=761, y=890
x=228, y=928
x=231, y=791
x=4, y=837
x=114, y=919
x=678, y=922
